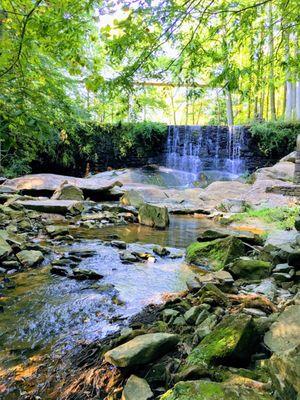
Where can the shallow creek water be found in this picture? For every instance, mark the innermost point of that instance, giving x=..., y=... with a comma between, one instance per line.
x=48, y=314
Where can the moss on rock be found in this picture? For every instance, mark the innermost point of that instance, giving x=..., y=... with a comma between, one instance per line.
x=205, y=390
x=154, y=216
x=217, y=253
x=250, y=269
x=229, y=343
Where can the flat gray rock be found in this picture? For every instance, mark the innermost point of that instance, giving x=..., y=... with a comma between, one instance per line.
x=284, y=334
x=49, y=206
x=142, y=349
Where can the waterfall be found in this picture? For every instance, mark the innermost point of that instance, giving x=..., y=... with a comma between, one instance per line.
x=183, y=149
x=212, y=150
x=234, y=164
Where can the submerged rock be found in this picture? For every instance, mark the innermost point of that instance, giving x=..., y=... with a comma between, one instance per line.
x=61, y=270
x=142, y=349
x=161, y=251
x=207, y=390
x=30, y=258
x=154, y=216
x=136, y=389
x=56, y=230
x=248, y=268
x=216, y=254
x=229, y=343
x=82, y=274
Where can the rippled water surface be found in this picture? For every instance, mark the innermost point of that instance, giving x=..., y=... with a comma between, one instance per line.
x=44, y=313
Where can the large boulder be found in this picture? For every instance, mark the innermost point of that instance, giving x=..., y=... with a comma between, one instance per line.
x=30, y=258
x=207, y=390
x=142, y=349
x=132, y=198
x=231, y=342
x=283, y=171
x=283, y=340
x=284, y=334
x=66, y=191
x=154, y=216
x=136, y=389
x=216, y=253
x=248, y=268
x=290, y=157
x=284, y=368
x=96, y=188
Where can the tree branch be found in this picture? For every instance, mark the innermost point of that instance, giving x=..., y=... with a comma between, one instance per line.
x=23, y=31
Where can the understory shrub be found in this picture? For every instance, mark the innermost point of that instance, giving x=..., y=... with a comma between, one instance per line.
x=96, y=145
x=275, y=139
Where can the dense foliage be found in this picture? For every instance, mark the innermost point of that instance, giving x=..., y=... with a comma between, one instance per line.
x=275, y=139
x=98, y=147
x=66, y=66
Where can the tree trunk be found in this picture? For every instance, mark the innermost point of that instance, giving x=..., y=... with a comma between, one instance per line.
x=297, y=86
x=297, y=116
x=271, y=55
x=229, y=110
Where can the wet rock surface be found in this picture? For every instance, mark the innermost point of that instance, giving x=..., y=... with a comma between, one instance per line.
x=232, y=332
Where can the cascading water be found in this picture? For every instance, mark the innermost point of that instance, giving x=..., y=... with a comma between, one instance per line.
x=234, y=163
x=213, y=150
x=184, y=148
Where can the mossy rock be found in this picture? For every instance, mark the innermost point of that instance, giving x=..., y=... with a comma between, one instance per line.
x=206, y=390
x=154, y=216
x=248, y=268
x=216, y=254
x=230, y=343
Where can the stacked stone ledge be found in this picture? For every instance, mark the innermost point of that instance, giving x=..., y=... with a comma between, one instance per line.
x=297, y=163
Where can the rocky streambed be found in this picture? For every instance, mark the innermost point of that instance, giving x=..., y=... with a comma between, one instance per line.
x=121, y=300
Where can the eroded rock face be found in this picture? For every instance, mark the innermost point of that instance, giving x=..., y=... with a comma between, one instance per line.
x=206, y=390
x=46, y=184
x=229, y=343
x=216, y=253
x=154, y=216
x=142, y=349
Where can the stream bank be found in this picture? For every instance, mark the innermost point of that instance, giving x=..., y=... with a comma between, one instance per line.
x=76, y=270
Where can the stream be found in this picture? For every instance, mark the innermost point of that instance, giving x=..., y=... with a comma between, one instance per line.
x=45, y=314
